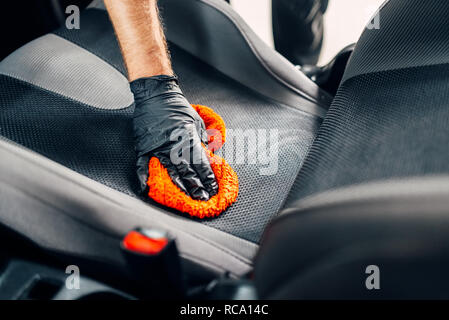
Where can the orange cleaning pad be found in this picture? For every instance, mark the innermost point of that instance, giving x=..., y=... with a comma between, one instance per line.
x=164, y=191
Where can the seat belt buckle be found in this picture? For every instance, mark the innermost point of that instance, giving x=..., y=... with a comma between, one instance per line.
x=154, y=263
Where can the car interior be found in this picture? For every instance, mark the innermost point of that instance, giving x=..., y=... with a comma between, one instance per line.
x=362, y=172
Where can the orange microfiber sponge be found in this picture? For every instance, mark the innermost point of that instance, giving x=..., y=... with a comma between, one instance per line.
x=164, y=191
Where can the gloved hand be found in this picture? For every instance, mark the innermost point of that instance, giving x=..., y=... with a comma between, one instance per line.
x=167, y=127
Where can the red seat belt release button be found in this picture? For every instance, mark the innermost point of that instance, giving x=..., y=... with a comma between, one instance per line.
x=154, y=263
x=145, y=244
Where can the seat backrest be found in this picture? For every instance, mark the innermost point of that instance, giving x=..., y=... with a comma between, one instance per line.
x=389, y=117
x=387, y=124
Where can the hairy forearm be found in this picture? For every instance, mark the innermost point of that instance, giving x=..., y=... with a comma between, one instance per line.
x=141, y=37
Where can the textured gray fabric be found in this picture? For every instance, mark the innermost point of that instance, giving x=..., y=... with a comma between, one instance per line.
x=61, y=210
x=390, y=120
x=380, y=126
x=55, y=64
x=261, y=196
x=412, y=33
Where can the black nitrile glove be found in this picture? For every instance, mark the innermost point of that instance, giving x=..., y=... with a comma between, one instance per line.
x=167, y=127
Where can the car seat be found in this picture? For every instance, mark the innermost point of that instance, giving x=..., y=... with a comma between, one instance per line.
x=65, y=96
x=365, y=176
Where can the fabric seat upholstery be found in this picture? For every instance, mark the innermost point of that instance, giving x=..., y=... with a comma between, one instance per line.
x=88, y=130
x=373, y=189
x=390, y=116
